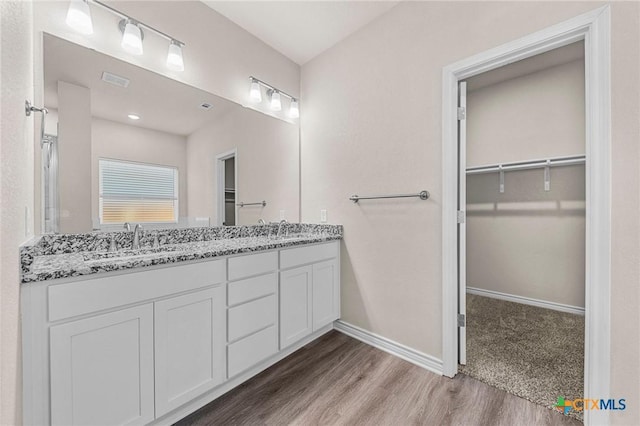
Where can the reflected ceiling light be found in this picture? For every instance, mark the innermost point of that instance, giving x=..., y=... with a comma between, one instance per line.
x=79, y=17
x=134, y=117
x=174, y=57
x=275, y=103
x=294, y=111
x=255, y=92
x=131, y=36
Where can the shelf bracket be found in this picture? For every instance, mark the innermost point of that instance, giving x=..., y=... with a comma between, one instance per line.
x=547, y=176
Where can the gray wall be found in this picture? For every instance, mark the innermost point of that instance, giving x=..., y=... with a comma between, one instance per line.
x=16, y=191
x=525, y=241
x=266, y=166
x=74, y=158
x=372, y=124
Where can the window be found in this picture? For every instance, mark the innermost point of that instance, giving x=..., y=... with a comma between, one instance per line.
x=137, y=192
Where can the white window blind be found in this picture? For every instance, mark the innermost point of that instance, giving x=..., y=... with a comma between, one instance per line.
x=137, y=192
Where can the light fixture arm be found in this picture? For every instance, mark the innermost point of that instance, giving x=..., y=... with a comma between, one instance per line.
x=139, y=23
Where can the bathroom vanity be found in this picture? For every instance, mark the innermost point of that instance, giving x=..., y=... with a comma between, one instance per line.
x=147, y=338
x=120, y=329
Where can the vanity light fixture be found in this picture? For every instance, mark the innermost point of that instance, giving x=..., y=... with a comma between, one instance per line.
x=79, y=17
x=274, y=96
x=131, y=37
x=133, y=117
x=255, y=92
x=174, y=57
x=294, y=111
x=275, y=104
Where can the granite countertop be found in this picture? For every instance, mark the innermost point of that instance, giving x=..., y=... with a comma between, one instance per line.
x=51, y=259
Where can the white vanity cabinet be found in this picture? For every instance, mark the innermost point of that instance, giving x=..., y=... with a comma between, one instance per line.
x=253, y=310
x=102, y=369
x=295, y=305
x=326, y=293
x=150, y=346
x=133, y=365
x=309, y=294
x=190, y=347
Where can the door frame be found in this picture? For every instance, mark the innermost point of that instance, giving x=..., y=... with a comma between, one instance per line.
x=220, y=178
x=594, y=28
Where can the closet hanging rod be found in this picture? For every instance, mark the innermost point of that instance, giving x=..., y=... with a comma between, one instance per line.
x=526, y=165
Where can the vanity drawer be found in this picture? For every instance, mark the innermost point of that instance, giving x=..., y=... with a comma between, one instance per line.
x=252, y=288
x=93, y=295
x=252, y=316
x=250, y=351
x=252, y=264
x=309, y=254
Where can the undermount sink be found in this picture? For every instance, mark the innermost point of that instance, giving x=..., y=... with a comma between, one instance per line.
x=119, y=257
x=97, y=258
x=295, y=236
x=129, y=255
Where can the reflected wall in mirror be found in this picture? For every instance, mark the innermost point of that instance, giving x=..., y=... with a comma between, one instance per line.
x=130, y=145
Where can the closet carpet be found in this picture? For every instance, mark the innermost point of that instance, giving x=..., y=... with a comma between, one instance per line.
x=531, y=352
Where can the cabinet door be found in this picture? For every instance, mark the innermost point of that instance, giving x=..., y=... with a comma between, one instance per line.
x=326, y=293
x=102, y=369
x=295, y=305
x=190, y=346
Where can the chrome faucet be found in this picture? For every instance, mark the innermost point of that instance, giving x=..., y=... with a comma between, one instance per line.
x=261, y=221
x=137, y=233
x=113, y=246
x=282, y=222
x=127, y=226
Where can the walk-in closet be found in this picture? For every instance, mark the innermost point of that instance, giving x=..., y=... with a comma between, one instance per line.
x=524, y=230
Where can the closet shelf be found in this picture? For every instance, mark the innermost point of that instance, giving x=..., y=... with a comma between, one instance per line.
x=545, y=164
x=527, y=165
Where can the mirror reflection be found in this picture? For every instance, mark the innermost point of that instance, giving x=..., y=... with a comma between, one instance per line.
x=126, y=145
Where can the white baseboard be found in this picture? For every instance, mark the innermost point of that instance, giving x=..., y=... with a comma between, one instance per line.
x=526, y=300
x=401, y=351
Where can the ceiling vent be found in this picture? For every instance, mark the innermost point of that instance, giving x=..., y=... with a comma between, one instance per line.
x=116, y=80
x=206, y=106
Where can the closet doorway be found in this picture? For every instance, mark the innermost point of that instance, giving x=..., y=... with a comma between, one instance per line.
x=522, y=240
x=593, y=28
x=226, y=175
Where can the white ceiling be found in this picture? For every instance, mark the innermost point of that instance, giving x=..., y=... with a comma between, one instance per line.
x=163, y=104
x=301, y=30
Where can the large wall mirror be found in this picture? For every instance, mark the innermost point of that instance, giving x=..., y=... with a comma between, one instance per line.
x=124, y=144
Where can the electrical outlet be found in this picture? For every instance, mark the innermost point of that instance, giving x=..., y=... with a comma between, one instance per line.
x=323, y=216
x=281, y=214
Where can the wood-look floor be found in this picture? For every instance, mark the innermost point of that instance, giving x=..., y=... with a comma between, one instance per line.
x=337, y=380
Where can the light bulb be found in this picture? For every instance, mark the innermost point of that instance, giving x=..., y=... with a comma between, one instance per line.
x=276, y=105
x=255, y=93
x=294, y=111
x=79, y=17
x=174, y=57
x=132, y=38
